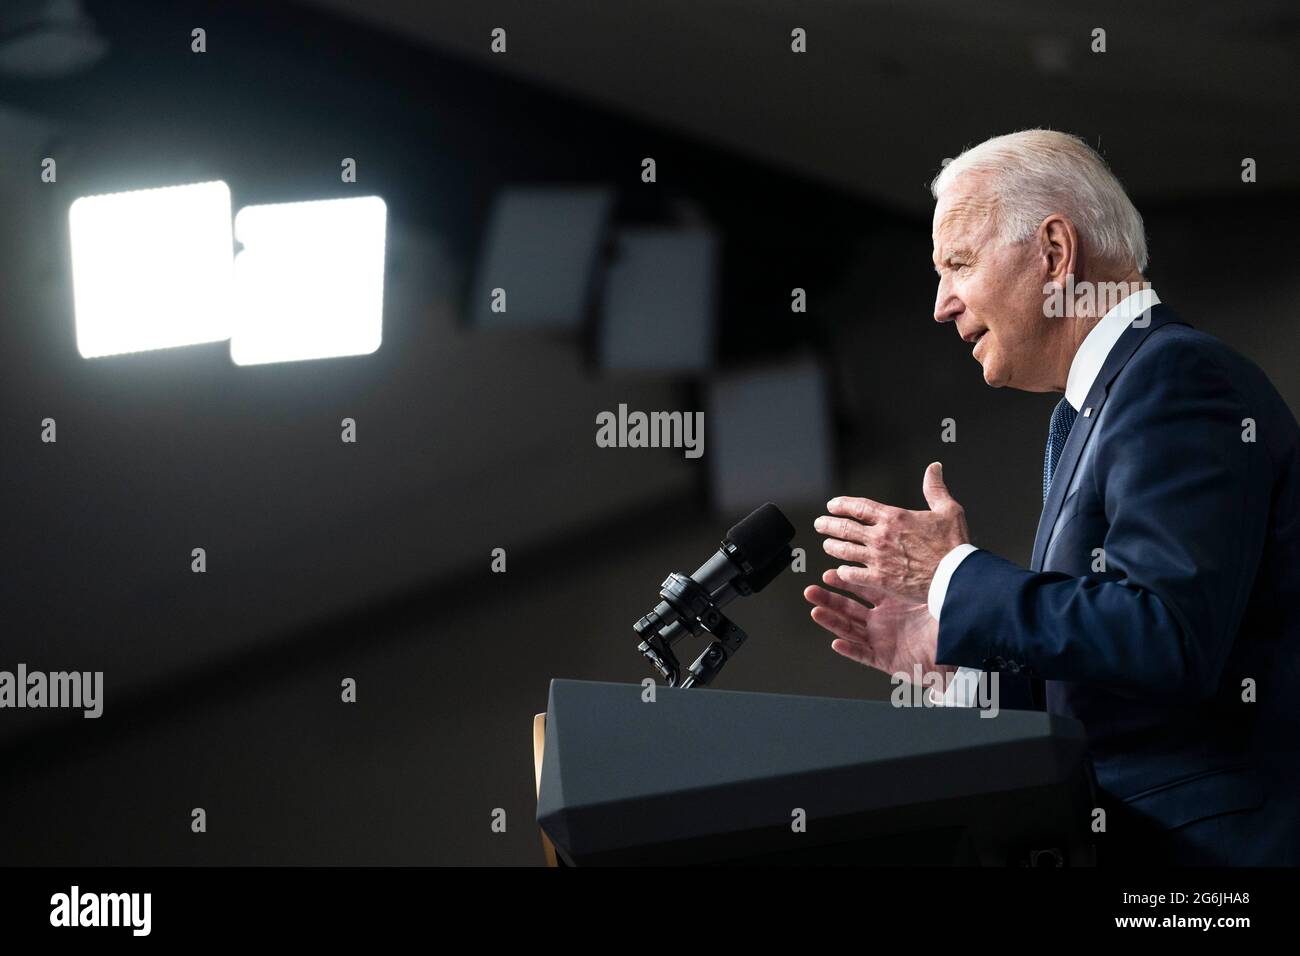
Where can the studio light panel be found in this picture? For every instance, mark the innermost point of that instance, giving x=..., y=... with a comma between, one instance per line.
x=309, y=280
x=770, y=436
x=157, y=268
x=660, y=301
x=151, y=269
x=542, y=247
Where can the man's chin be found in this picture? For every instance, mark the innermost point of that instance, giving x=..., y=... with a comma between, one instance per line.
x=993, y=376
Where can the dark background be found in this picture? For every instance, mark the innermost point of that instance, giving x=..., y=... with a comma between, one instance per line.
x=371, y=560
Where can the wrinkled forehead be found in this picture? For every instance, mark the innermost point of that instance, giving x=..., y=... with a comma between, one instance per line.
x=963, y=211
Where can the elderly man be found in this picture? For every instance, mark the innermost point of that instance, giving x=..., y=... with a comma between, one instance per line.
x=1162, y=604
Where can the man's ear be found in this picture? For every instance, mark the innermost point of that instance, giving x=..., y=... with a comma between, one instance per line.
x=1059, y=249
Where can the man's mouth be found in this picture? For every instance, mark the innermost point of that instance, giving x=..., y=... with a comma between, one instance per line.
x=974, y=337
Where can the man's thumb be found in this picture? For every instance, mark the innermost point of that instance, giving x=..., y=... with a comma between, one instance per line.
x=932, y=486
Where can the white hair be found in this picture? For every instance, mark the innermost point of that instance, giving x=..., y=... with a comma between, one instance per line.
x=1036, y=172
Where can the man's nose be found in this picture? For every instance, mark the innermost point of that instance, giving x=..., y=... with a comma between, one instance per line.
x=946, y=305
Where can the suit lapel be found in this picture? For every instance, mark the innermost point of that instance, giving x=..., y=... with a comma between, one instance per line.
x=1119, y=356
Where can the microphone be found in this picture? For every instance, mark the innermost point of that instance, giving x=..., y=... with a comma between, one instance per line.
x=753, y=553
x=752, y=544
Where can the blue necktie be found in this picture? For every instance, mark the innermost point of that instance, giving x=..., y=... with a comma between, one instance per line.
x=1058, y=431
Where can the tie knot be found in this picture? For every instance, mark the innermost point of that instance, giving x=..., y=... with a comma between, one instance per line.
x=1063, y=416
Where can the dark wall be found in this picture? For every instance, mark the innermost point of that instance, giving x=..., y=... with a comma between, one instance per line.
x=162, y=452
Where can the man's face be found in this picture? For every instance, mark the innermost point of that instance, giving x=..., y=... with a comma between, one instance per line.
x=992, y=291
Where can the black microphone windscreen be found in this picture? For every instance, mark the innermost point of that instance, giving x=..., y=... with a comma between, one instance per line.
x=761, y=536
x=764, y=576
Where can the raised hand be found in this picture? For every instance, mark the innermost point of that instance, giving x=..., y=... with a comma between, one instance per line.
x=892, y=636
x=897, y=550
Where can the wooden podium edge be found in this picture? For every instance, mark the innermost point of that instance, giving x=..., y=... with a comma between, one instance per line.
x=539, y=747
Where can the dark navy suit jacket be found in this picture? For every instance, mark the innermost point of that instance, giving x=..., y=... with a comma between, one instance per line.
x=1162, y=607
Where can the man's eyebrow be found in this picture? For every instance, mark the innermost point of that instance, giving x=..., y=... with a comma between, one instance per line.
x=952, y=254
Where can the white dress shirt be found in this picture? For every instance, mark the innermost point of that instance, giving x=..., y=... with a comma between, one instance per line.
x=1084, y=369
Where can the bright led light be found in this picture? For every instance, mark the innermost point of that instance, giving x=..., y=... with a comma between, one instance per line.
x=151, y=269
x=309, y=282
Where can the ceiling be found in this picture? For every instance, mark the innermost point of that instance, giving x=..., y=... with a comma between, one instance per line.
x=1183, y=92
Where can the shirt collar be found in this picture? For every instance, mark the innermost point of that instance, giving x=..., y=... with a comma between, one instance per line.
x=1092, y=352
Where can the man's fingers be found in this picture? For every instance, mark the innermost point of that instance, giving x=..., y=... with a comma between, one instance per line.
x=854, y=651
x=846, y=550
x=867, y=593
x=836, y=602
x=861, y=509
x=837, y=624
x=933, y=487
x=863, y=580
x=846, y=529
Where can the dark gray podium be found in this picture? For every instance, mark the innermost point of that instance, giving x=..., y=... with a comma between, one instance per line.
x=715, y=776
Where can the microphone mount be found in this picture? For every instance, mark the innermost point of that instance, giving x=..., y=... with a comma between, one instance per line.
x=684, y=601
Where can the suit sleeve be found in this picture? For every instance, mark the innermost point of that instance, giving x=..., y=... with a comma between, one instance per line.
x=1186, y=503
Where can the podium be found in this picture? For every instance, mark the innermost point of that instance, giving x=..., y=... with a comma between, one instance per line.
x=704, y=776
